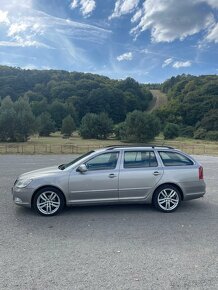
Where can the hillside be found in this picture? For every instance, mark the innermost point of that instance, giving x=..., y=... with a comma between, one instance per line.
x=193, y=104
x=61, y=92
x=188, y=101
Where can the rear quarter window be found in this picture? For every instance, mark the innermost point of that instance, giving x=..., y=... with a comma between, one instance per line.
x=174, y=159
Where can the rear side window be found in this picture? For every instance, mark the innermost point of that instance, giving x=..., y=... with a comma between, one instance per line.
x=139, y=159
x=174, y=159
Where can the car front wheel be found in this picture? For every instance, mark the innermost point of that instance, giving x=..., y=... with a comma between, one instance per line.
x=48, y=201
x=167, y=198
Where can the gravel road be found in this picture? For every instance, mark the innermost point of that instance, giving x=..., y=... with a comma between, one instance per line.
x=107, y=247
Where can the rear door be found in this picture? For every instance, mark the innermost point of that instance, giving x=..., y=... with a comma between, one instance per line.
x=139, y=173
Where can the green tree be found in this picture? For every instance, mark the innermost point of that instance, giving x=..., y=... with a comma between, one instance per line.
x=104, y=126
x=141, y=126
x=88, y=126
x=58, y=112
x=96, y=126
x=16, y=120
x=68, y=126
x=8, y=120
x=45, y=124
x=210, y=120
x=171, y=131
x=120, y=131
x=25, y=124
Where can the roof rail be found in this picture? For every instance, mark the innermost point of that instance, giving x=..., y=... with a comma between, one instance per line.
x=142, y=145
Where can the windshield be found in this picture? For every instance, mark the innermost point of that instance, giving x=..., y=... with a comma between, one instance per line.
x=64, y=166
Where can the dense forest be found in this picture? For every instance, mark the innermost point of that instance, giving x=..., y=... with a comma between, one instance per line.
x=51, y=96
x=33, y=101
x=192, y=106
x=57, y=91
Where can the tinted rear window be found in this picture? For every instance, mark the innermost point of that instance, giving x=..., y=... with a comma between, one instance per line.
x=174, y=159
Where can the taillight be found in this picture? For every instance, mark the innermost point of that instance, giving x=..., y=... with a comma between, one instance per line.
x=201, y=172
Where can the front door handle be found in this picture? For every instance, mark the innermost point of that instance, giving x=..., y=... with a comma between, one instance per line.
x=156, y=173
x=112, y=175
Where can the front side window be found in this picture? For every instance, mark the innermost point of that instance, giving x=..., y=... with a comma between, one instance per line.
x=104, y=161
x=139, y=159
x=174, y=159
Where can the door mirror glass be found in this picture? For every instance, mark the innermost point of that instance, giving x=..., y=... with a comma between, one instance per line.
x=82, y=168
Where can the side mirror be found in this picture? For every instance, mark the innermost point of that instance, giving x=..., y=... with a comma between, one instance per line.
x=82, y=168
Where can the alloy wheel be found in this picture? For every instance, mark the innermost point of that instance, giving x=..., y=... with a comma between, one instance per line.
x=168, y=199
x=48, y=202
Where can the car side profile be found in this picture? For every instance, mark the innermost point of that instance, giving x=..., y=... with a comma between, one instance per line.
x=162, y=176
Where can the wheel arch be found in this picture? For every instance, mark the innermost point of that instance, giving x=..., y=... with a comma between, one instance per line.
x=46, y=186
x=170, y=183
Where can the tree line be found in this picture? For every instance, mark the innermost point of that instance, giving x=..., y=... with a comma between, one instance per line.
x=43, y=102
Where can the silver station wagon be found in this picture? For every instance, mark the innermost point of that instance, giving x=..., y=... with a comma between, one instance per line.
x=162, y=176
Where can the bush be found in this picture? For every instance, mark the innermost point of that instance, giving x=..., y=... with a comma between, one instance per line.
x=212, y=135
x=200, y=133
x=171, y=131
x=120, y=131
x=187, y=131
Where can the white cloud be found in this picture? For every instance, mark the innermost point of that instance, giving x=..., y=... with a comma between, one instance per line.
x=178, y=64
x=74, y=4
x=124, y=7
x=86, y=6
x=24, y=43
x=172, y=19
x=136, y=16
x=4, y=17
x=16, y=28
x=167, y=62
x=33, y=43
x=27, y=27
x=213, y=34
x=125, y=56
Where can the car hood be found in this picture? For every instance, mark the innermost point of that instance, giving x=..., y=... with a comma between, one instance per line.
x=40, y=172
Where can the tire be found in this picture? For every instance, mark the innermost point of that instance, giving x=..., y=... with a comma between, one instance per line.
x=48, y=201
x=167, y=198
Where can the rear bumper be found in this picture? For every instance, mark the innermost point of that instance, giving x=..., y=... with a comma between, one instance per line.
x=194, y=190
x=194, y=195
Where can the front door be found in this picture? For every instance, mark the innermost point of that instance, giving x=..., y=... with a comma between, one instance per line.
x=139, y=173
x=99, y=183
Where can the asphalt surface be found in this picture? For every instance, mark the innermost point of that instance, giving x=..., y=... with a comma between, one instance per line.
x=107, y=247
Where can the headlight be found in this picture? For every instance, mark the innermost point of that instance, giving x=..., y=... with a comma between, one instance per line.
x=23, y=183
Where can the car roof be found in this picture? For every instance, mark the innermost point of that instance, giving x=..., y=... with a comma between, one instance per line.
x=134, y=147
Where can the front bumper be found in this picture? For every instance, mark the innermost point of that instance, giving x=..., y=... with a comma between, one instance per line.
x=22, y=196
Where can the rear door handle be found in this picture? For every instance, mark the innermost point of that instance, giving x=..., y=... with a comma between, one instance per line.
x=112, y=175
x=156, y=173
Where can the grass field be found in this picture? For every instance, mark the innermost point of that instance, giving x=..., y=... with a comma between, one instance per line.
x=75, y=144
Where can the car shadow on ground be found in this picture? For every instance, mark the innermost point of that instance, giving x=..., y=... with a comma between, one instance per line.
x=195, y=206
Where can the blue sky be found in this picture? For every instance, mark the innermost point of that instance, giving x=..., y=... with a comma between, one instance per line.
x=149, y=40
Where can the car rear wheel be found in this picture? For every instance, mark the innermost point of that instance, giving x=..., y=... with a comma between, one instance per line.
x=167, y=198
x=48, y=201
